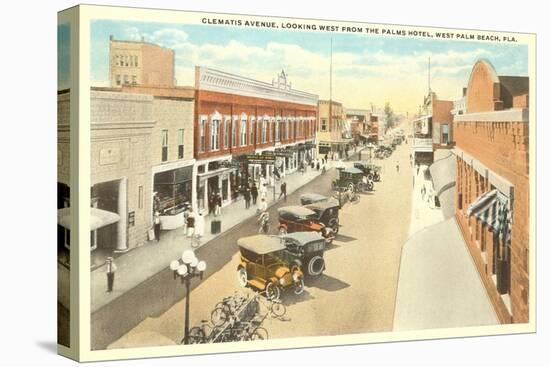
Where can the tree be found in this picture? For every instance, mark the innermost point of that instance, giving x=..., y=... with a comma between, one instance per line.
x=390, y=117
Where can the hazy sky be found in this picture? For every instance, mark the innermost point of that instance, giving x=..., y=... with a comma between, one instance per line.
x=63, y=55
x=366, y=68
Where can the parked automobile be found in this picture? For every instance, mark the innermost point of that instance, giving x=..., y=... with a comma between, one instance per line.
x=350, y=178
x=306, y=250
x=327, y=213
x=264, y=265
x=302, y=219
x=370, y=170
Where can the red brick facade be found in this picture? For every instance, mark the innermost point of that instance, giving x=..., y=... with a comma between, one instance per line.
x=302, y=121
x=495, y=145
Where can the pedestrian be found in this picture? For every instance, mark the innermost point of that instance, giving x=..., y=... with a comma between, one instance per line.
x=417, y=168
x=397, y=166
x=156, y=225
x=254, y=193
x=218, y=204
x=263, y=205
x=318, y=166
x=110, y=269
x=246, y=195
x=211, y=203
x=190, y=224
x=199, y=225
x=283, y=190
x=326, y=157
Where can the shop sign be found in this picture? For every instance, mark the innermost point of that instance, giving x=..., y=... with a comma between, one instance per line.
x=260, y=159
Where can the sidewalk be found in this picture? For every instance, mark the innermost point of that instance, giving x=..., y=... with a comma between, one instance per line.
x=143, y=262
x=438, y=284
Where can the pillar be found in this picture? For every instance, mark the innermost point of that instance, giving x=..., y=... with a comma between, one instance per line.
x=122, y=224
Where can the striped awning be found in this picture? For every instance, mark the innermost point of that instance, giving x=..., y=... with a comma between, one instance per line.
x=493, y=209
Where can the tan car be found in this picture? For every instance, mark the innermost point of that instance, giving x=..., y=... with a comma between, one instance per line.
x=264, y=266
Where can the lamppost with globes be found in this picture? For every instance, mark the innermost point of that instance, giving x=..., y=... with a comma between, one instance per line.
x=187, y=268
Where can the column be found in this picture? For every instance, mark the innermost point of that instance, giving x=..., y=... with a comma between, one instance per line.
x=122, y=226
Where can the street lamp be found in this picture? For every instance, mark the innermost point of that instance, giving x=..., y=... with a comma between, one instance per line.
x=370, y=147
x=340, y=166
x=187, y=268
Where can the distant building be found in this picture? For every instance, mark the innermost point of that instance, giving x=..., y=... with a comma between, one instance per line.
x=359, y=121
x=332, y=135
x=140, y=63
x=433, y=129
x=492, y=186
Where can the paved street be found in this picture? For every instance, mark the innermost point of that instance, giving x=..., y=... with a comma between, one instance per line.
x=355, y=294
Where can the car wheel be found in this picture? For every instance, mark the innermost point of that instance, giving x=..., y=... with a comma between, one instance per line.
x=351, y=187
x=299, y=286
x=316, y=266
x=334, y=225
x=259, y=334
x=272, y=292
x=242, y=276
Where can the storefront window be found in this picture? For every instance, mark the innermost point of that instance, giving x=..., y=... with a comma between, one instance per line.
x=243, y=132
x=173, y=189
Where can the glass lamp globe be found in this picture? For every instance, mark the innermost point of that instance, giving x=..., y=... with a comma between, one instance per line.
x=188, y=256
x=174, y=265
x=182, y=270
x=201, y=266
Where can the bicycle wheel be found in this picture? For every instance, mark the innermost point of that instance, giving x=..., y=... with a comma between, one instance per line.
x=259, y=334
x=278, y=309
x=219, y=316
x=196, y=335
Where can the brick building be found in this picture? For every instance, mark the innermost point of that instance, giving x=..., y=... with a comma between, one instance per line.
x=332, y=137
x=492, y=192
x=359, y=121
x=245, y=128
x=120, y=168
x=140, y=63
x=173, y=164
x=433, y=129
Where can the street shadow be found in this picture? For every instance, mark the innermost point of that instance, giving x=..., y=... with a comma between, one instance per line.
x=290, y=298
x=331, y=246
x=327, y=283
x=343, y=238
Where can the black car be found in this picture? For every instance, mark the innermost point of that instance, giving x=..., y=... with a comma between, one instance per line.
x=305, y=250
x=327, y=213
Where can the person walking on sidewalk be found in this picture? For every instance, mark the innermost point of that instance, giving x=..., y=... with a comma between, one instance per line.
x=283, y=190
x=218, y=204
x=246, y=195
x=110, y=269
x=156, y=225
x=397, y=166
x=254, y=193
x=199, y=230
x=262, y=206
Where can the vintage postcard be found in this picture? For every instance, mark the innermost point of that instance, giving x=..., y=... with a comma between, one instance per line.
x=233, y=182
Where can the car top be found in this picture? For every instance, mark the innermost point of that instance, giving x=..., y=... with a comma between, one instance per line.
x=295, y=210
x=353, y=170
x=261, y=244
x=313, y=197
x=302, y=238
x=322, y=205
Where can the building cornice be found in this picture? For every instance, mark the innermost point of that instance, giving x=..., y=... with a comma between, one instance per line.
x=222, y=82
x=512, y=115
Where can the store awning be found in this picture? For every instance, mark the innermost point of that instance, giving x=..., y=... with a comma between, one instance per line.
x=98, y=218
x=493, y=209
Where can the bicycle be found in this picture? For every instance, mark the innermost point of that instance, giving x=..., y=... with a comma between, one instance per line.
x=227, y=308
x=202, y=334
